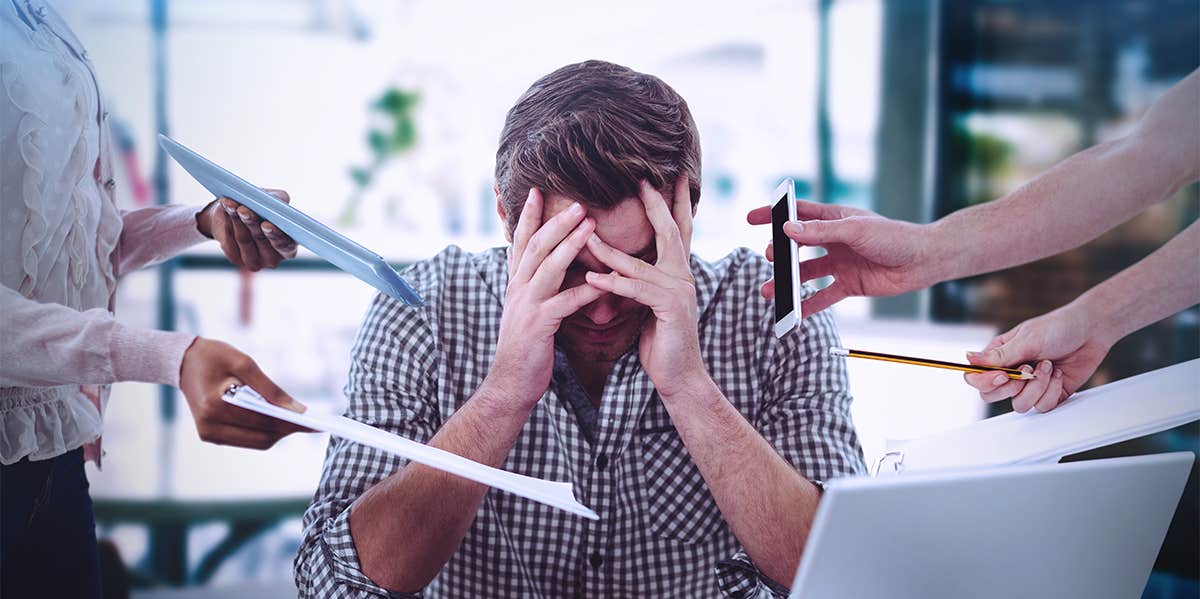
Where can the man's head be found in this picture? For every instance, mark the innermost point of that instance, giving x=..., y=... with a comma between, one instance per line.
x=591, y=132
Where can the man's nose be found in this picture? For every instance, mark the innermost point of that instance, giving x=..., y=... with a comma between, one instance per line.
x=603, y=310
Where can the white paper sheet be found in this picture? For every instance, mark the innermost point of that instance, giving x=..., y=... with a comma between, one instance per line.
x=1100, y=416
x=555, y=494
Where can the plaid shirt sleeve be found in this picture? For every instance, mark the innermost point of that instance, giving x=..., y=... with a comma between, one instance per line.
x=805, y=415
x=391, y=386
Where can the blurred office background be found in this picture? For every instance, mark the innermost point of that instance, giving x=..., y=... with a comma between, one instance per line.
x=381, y=117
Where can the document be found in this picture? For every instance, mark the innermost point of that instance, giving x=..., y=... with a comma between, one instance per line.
x=555, y=494
x=1119, y=411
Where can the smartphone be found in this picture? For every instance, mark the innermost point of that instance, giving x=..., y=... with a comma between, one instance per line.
x=787, y=260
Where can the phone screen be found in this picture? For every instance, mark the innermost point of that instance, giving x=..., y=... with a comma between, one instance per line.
x=783, y=260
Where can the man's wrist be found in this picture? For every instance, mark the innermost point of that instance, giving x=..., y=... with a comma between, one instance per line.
x=695, y=386
x=1101, y=316
x=504, y=399
x=939, y=242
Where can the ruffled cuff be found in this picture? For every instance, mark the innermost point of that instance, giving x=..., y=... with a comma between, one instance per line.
x=44, y=422
x=147, y=355
x=739, y=578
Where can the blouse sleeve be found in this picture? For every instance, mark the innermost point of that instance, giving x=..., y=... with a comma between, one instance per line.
x=152, y=235
x=50, y=344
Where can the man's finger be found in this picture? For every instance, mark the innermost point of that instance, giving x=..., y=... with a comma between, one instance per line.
x=626, y=265
x=805, y=210
x=1033, y=390
x=986, y=381
x=1052, y=395
x=824, y=232
x=550, y=273
x=1009, y=389
x=637, y=290
x=667, y=237
x=816, y=268
x=569, y=301
x=547, y=237
x=770, y=251
x=681, y=211
x=528, y=223
x=768, y=289
x=823, y=299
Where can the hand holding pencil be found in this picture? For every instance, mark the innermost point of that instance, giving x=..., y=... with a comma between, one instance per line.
x=1038, y=363
x=1065, y=346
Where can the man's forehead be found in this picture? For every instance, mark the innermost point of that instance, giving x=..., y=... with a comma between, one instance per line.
x=624, y=226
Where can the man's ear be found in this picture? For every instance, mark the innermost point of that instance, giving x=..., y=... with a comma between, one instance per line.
x=503, y=215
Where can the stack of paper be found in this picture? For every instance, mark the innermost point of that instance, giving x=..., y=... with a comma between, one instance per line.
x=1127, y=409
x=554, y=494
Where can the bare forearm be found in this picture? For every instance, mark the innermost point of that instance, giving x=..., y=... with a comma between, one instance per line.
x=1083, y=196
x=766, y=502
x=407, y=526
x=1158, y=286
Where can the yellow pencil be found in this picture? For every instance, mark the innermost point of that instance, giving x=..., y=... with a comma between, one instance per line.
x=1012, y=373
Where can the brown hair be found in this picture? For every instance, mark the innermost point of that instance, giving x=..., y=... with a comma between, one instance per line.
x=592, y=131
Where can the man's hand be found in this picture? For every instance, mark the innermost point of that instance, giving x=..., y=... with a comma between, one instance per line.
x=247, y=240
x=534, y=307
x=1065, y=344
x=209, y=368
x=866, y=254
x=670, y=345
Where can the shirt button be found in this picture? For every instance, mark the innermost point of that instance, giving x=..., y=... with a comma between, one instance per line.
x=110, y=184
x=40, y=12
x=596, y=560
x=601, y=462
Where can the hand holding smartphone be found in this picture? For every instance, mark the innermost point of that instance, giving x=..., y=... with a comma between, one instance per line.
x=787, y=260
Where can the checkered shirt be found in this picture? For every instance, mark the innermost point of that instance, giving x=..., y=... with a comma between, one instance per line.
x=660, y=533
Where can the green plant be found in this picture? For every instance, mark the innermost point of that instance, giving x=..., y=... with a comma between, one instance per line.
x=397, y=138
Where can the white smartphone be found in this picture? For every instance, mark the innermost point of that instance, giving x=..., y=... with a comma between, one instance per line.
x=787, y=260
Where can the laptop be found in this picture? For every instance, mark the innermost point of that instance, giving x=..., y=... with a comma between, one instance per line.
x=1086, y=530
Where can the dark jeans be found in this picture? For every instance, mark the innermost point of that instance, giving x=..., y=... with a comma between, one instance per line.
x=47, y=530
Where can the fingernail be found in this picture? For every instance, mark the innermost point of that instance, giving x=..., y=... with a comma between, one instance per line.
x=1044, y=367
x=576, y=208
x=268, y=227
x=1027, y=369
x=999, y=380
x=793, y=226
x=973, y=354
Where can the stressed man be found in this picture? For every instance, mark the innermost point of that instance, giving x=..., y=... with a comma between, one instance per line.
x=597, y=350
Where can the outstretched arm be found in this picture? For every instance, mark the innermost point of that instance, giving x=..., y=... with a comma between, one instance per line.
x=1072, y=203
x=1071, y=342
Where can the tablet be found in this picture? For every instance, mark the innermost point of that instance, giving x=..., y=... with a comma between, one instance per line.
x=323, y=241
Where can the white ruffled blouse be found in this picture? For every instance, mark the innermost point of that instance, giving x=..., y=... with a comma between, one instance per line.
x=63, y=243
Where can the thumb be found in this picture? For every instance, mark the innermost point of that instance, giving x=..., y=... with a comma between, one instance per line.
x=1006, y=353
x=823, y=232
x=248, y=372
